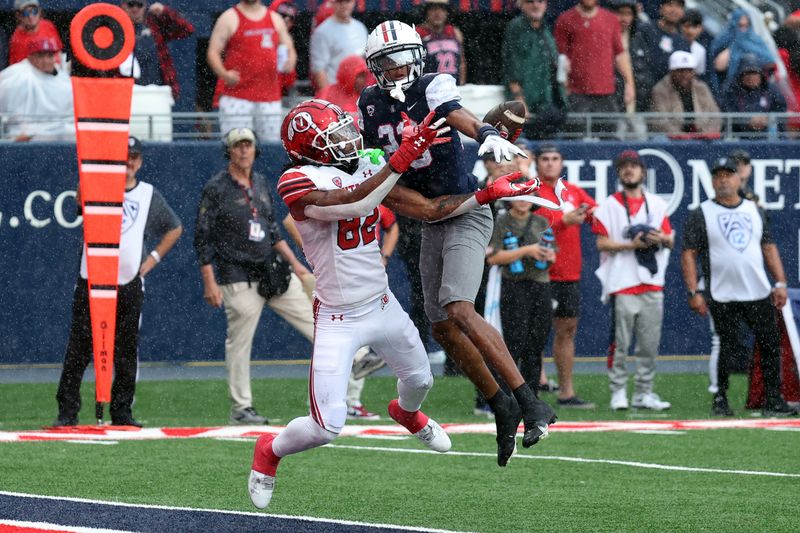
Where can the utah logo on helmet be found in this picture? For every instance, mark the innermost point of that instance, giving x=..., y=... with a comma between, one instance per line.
x=319, y=132
x=391, y=46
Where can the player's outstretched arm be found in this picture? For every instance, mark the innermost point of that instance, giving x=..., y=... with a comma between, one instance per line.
x=491, y=141
x=412, y=204
x=340, y=204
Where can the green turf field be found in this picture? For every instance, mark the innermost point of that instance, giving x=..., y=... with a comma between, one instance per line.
x=543, y=489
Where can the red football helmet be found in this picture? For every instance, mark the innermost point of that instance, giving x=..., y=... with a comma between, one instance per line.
x=319, y=132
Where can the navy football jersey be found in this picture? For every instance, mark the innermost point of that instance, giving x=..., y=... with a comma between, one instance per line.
x=441, y=169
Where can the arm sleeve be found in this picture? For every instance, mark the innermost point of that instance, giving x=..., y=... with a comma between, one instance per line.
x=616, y=39
x=161, y=218
x=442, y=90
x=294, y=185
x=206, y=213
x=694, y=232
x=598, y=228
x=666, y=226
x=561, y=35
x=766, y=234
x=172, y=25
x=360, y=208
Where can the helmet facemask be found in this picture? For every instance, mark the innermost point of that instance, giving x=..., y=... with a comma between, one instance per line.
x=411, y=56
x=341, y=140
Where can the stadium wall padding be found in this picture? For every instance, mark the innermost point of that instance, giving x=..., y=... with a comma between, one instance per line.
x=40, y=240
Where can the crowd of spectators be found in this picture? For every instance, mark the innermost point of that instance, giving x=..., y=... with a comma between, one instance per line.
x=611, y=59
x=560, y=57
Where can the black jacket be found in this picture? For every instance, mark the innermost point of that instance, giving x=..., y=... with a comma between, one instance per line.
x=222, y=228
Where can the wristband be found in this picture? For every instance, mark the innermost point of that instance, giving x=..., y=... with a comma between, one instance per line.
x=156, y=256
x=485, y=131
x=692, y=294
x=779, y=285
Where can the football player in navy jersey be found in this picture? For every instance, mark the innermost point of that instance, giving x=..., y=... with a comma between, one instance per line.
x=452, y=252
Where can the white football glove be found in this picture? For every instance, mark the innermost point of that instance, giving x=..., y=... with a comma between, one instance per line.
x=501, y=148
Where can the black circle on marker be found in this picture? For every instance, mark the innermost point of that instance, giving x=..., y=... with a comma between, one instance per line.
x=87, y=37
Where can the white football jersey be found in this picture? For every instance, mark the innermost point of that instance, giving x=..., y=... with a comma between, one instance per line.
x=344, y=255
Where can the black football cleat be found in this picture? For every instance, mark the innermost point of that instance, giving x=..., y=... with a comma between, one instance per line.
x=126, y=421
x=720, y=406
x=507, y=418
x=536, y=426
x=65, y=421
x=778, y=409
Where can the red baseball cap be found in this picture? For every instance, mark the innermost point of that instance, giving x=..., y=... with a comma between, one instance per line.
x=43, y=44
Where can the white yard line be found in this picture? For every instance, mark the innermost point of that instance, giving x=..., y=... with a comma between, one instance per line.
x=633, y=464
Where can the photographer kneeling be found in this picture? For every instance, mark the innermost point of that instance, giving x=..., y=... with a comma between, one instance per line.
x=634, y=237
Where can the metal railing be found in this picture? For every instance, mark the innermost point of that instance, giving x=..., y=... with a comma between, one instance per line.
x=578, y=126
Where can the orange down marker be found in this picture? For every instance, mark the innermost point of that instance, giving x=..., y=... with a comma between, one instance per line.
x=102, y=38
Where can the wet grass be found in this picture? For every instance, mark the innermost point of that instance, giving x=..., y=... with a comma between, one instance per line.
x=539, y=491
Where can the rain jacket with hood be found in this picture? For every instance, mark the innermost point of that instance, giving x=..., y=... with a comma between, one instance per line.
x=766, y=98
x=343, y=92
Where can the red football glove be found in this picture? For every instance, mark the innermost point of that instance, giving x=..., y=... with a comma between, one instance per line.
x=415, y=140
x=503, y=187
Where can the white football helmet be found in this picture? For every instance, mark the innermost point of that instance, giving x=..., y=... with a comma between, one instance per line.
x=392, y=45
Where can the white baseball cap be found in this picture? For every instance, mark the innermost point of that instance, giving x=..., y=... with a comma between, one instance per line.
x=237, y=135
x=682, y=60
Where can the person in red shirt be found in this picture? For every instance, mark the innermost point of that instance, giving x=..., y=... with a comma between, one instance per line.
x=634, y=237
x=351, y=78
x=565, y=274
x=590, y=38
x=249, y=86
x=31, y=26
x=443, y=42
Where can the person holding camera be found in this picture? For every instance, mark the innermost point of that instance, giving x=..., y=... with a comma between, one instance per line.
x=237, y=234
x=634, y=237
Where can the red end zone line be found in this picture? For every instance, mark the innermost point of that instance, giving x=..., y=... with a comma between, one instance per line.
x=117, y=433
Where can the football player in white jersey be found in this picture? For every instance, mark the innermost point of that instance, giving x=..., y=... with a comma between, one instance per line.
x=333, y=194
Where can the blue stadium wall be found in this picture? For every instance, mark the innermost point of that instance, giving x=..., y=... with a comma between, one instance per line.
x=40, y=239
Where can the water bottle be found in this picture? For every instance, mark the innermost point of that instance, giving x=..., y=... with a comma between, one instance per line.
x=547, y=240
x=510, y=242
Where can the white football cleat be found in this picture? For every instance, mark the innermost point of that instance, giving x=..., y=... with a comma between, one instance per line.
x=260, y=487
x=434, y=437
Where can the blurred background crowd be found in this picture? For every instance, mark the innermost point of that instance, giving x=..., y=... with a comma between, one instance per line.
x=622, y=69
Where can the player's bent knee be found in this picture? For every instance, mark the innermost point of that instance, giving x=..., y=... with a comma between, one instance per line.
x=461, y=313
x=420, y=381
x=324, y=436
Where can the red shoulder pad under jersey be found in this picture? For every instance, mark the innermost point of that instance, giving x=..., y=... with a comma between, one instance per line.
x=293, y=185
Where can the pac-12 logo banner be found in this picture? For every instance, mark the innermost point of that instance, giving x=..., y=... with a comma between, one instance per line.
x=737, y=229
